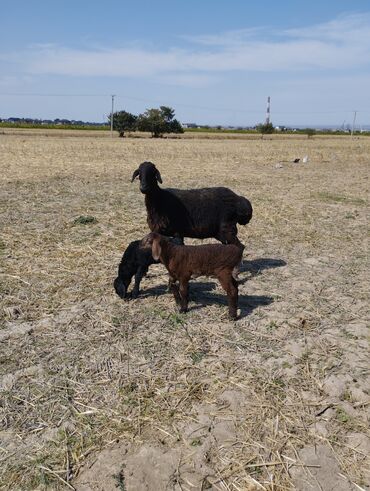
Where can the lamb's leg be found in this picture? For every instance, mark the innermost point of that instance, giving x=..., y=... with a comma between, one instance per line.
x=174, y=289
x=231, y=287
x=184, y=295
x=140, y=273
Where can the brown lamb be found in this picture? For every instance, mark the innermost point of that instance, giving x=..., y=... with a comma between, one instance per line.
x=183, y=262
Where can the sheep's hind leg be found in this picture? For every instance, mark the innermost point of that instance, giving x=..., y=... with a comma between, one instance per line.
x=229, y=284
x=228, y=235
x=179, y=239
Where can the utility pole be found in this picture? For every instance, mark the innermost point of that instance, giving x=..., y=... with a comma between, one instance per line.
x=268, y=111
x=111, y=117
x=353, y=122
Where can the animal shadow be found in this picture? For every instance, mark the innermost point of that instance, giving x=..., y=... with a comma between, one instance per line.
x=163, y=289
x=256, y=266
x=246, y=303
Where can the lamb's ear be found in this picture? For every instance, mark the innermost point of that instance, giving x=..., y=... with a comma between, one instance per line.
x=156, y=249
x=158, y=176
x=134, y=175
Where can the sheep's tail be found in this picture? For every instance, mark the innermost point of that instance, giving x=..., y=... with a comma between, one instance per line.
x=244, y=211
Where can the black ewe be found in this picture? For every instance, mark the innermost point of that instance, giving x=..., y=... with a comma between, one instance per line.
x=135, y=261
x=197, y=213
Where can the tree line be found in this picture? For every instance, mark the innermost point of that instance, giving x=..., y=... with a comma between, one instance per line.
x=155, y=121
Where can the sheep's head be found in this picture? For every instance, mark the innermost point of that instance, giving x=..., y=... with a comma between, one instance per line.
x=148, y=175
x=121, y=285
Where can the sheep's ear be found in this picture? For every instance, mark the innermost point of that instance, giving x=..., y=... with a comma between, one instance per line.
x=134, y=175
x=156, y=249
x=158, y=176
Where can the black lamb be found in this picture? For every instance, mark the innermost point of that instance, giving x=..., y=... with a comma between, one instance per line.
x=197, y=213
x=135, y=262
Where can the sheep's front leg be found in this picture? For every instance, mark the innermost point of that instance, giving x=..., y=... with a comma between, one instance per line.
x=174, y=289
x=140, y=273
x=184, y=284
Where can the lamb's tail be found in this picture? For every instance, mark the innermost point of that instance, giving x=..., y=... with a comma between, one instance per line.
x=244, y=211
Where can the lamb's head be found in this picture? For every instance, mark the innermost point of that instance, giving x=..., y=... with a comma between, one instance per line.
x=149, y=177
x=121, y=285
x=154, y=241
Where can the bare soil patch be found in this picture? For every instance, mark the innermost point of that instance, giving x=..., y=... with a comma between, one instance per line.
x=101, y=394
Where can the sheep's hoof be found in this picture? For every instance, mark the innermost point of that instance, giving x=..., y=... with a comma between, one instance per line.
x=134, y=294
x=183, y=310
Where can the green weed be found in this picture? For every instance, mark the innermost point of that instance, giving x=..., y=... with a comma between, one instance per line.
x=84, y=220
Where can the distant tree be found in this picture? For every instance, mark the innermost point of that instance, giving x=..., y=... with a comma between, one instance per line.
x=167, y=113
x=123, y=121
x=175, y=127
x=310, y=132
x=159, y=121
x=152, y=121
x=265, y=128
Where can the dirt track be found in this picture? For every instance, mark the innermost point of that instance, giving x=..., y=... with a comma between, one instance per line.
x=101, y=394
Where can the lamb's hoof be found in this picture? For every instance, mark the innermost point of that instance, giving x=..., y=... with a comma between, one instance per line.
x=233, y=317
x=134, y=294
x=183, y=310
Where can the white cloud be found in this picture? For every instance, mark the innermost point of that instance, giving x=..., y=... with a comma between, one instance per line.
x=342, y=43
x=228, y=38
x=347, y=29
x=194, y=80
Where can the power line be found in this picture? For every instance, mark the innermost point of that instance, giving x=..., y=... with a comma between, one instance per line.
x=193, y=106
x=52, y=95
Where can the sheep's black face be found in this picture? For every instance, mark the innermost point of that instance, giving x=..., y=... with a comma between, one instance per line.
x=121, y=285
x=147, y=179
x=148, y=175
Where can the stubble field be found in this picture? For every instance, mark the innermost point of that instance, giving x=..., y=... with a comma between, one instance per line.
x=101, y=394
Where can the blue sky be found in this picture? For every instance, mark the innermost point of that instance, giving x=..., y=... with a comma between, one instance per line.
x=214, y=61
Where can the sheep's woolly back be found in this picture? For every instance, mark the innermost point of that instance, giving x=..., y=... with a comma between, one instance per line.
x=197, y=213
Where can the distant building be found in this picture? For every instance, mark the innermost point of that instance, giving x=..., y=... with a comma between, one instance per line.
x=189, y=125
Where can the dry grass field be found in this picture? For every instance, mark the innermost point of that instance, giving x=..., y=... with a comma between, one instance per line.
x=101, y=394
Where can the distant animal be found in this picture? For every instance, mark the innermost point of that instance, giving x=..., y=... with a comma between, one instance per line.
x=184, y=262
x=198, y=213
x=296, y=161
x=135, y=262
